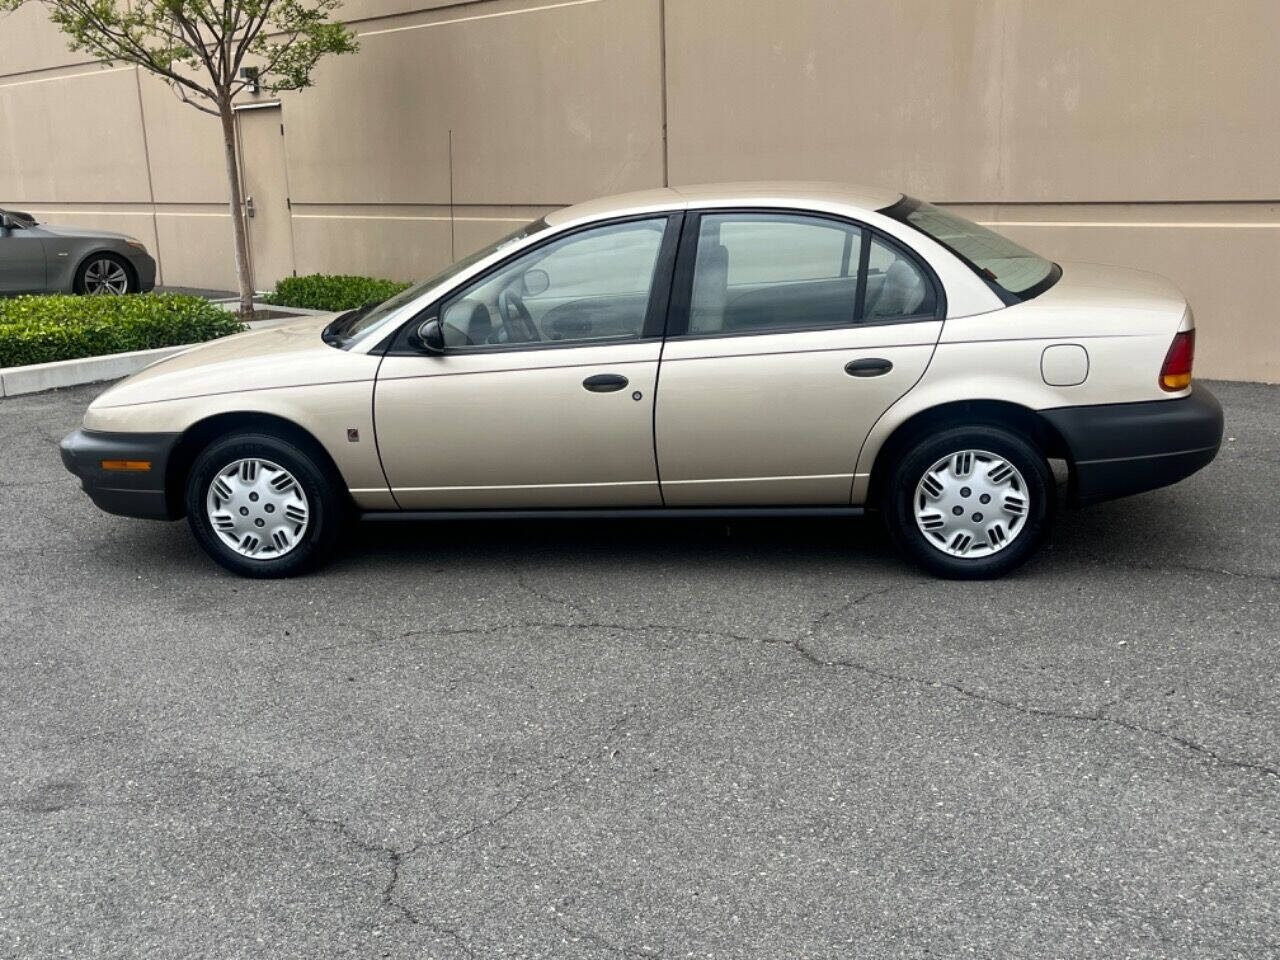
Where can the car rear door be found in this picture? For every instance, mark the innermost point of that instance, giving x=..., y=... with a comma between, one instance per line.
x=22, y=261
x=544, y=394
x=790, y=334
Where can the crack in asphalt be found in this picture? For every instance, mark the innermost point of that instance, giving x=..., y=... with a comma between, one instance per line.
x=1112, y=564
x=798, y=646
x=1098, y=716
x=550, y=786
x=394, y=857
x=522, y=580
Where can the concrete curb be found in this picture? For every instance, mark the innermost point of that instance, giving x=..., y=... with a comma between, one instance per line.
x=234, y=305
x=36, y=377
x=69, y=373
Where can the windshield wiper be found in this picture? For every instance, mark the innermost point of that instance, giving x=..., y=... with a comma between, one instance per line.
x=335, y=334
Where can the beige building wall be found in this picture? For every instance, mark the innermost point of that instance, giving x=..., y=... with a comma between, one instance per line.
x=1142, y=134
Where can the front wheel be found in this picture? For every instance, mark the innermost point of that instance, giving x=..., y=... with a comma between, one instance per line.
x=105, y=273
x=263, y=506
x=970, y=503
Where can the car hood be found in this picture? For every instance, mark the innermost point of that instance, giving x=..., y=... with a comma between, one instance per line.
x=290, y=355
x=83, y=233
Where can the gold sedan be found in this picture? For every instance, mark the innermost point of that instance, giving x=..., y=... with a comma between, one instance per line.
x=741, y=349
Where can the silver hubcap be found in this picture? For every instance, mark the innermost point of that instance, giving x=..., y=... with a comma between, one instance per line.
x=257, y=508
x=971, y=504
x=106, y=276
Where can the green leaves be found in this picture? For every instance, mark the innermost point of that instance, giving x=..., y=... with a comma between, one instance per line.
x=200, y=45
x=43, y=329
x=321, y=291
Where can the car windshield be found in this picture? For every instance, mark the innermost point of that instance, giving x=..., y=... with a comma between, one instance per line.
x=1011, y=268
x=350, y=325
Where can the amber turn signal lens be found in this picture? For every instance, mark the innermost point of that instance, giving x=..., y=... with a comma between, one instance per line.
x=1176, y=372
x=136, y=466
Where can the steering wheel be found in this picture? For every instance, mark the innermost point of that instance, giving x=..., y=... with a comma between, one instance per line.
x=516, y=319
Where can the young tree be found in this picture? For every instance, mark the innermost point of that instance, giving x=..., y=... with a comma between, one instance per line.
x=198, y=47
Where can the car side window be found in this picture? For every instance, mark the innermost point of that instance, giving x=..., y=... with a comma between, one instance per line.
x=761, y=272
x=587, y=287
x=756, y=272
x=896, y=287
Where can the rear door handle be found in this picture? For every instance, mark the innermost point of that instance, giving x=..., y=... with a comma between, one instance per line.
x=605, y=382
x=868, y=367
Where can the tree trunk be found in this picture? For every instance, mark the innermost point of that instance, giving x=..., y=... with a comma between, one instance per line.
x=237, y=208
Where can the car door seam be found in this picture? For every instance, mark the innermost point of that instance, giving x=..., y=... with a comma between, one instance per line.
x=373, y=423
x=885, y=412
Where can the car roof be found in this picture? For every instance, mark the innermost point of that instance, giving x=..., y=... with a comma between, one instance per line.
x=763, y=193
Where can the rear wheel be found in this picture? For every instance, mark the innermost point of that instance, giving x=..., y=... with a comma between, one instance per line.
x=105, y=273
x=970, y=502
x=262, y=506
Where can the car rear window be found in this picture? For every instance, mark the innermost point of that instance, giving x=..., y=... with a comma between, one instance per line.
x=1013, y=271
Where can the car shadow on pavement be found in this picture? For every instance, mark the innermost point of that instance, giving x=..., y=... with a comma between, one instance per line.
x=1150, y=530
x=619, y=542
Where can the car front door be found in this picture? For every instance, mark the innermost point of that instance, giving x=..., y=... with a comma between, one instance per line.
x=22, y=262
x=543, y=396
x=790, y=335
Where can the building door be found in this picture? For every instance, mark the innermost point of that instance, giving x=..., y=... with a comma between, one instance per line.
x=265, y=182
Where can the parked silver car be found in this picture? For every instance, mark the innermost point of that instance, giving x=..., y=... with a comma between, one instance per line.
x=39, y=258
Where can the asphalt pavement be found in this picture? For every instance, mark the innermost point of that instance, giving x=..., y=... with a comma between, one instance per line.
x=765, y=739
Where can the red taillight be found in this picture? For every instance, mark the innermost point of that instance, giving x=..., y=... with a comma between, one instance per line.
x=1176, y=372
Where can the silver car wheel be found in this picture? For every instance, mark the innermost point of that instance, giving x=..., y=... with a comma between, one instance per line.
x=971, y=504
x=257, y=508
x=106, y=276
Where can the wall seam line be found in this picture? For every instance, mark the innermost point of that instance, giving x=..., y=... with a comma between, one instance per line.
x=151, y=187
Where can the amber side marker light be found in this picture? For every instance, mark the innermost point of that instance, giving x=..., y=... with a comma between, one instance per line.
x=132, y=466
x=1176, y=372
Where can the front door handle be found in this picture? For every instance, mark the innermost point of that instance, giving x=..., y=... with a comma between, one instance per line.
x=605, y=382
x=868, y=367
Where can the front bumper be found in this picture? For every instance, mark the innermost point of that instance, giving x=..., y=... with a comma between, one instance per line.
x=132, y=493
x=1122, y=448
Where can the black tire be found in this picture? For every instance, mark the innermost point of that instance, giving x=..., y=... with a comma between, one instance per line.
x=82, y=272
x=326, y=504
x=919, y=458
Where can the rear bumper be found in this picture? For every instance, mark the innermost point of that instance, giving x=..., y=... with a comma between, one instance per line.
x=1122, y=448
x=133, y=493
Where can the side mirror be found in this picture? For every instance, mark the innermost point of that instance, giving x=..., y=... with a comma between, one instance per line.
x=534, y=282
x=429, y=337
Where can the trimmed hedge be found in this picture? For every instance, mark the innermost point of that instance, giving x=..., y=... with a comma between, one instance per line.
x=325, y=291
x=42, y=329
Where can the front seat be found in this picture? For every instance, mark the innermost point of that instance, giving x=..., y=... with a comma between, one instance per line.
x=479, y=325
x=901, y=294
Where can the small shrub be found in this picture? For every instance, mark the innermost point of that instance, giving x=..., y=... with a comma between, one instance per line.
x=42, y=329
x=324, y=291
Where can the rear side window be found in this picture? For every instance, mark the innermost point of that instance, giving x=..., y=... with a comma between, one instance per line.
x=1011, y=270
x=764, y=272
x=896, y=287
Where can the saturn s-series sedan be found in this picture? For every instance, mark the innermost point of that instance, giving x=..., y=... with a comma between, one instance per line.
x=732, y=350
